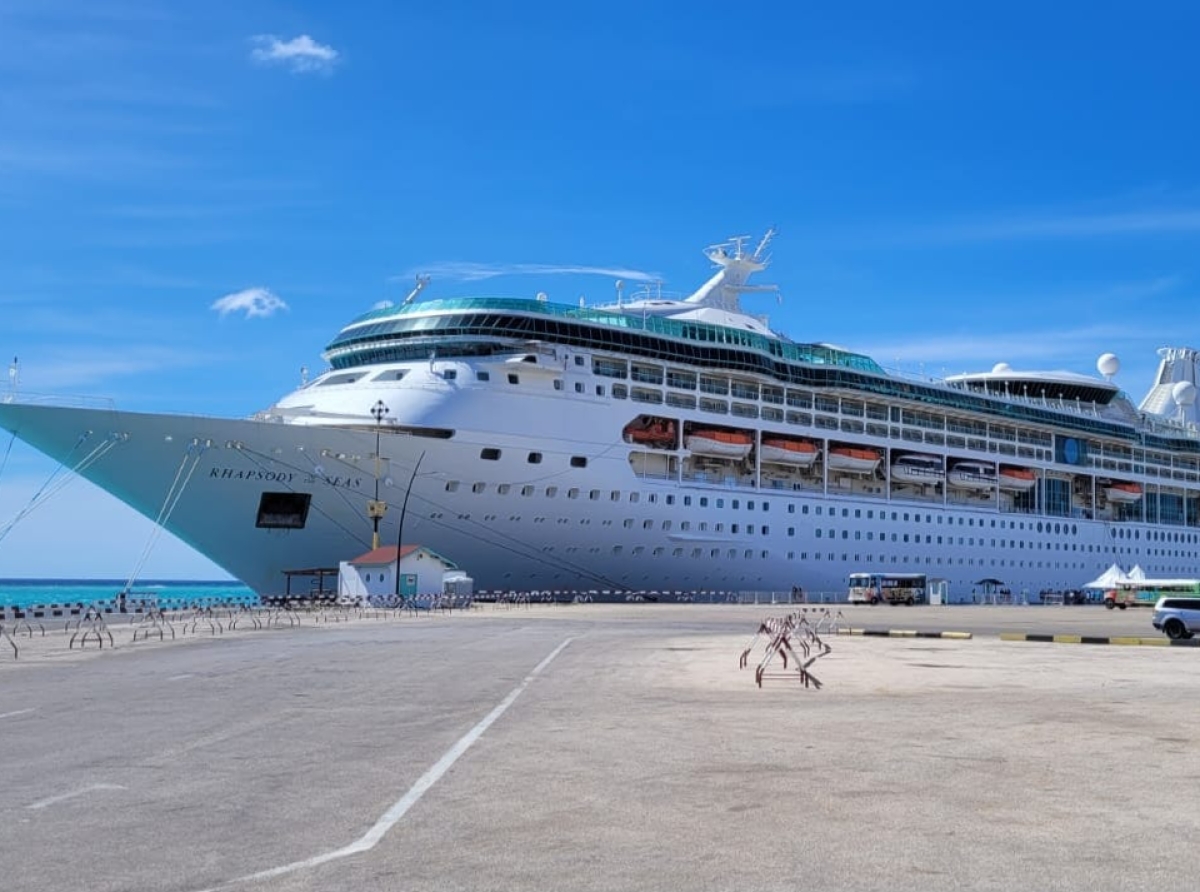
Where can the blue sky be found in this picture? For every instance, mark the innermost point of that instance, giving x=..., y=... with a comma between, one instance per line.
x=954, y=187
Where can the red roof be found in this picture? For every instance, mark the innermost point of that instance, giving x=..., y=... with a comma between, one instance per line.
x=384, y=554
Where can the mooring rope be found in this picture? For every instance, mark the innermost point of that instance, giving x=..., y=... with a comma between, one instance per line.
x=54, y=484
x=195, y=452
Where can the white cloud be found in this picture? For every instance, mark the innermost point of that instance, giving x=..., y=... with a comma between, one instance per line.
x=300, y=54
x=253, y=302
x=468, y=271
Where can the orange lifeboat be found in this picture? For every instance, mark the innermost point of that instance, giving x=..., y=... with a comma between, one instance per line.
x=655, y=433
x=854, y=460
x=722, y=444
x=1123, y=491
x=780, y=451
x=1019, y=479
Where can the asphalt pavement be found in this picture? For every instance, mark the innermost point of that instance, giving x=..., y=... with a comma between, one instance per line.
x=603, y=747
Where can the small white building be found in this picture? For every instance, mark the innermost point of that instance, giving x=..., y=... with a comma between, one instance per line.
x=373, y=575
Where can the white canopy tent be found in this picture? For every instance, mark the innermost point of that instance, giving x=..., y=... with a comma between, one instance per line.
x=1110, y=577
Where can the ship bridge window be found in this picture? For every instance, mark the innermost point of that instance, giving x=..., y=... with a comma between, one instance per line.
x=578, y=461
x=535, y=458
x=449, y=374
x=490, y=453
x=391, y=375
x=348, y=378
x=514, y=378
x=283, y=510
x=483, y=376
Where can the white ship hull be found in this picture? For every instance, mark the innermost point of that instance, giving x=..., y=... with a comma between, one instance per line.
x=504, y=541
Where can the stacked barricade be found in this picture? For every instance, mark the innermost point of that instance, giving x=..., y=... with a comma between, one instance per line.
x=787, y=640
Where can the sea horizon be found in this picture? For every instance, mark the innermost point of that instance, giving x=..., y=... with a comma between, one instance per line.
x=23, y=592
x=111, y=580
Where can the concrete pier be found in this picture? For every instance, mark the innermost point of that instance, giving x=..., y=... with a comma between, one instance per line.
x=601, y=747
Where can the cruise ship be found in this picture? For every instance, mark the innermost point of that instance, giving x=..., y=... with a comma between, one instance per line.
x=666, y=444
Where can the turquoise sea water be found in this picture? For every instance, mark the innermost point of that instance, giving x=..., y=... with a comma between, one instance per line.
x=165, y=592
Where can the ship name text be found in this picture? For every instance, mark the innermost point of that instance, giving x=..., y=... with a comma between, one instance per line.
x=287, y=477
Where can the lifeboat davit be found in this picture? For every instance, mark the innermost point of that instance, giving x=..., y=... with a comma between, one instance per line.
x=1123, y=491
x=921, y=469
x=1019, y=479
x=973, y=475
x=853, y=459
x=788, y=452
x=723, y=444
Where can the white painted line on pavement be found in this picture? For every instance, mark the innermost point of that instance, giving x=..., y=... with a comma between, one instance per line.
x=63, y=797
x=390, y=817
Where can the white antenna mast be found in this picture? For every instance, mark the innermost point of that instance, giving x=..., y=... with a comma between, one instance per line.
x=422, y=281
x=762, y=246
x=14, y=378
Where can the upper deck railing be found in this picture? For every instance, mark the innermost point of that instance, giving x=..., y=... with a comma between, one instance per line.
x=65, y=401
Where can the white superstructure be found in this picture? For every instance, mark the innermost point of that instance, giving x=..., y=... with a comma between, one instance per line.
x=665, y=444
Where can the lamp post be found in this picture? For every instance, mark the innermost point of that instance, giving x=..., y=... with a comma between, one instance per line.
x=400, y=526
x=375, y=508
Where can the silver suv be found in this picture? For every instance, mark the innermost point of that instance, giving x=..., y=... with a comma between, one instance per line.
x=1179, y=618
